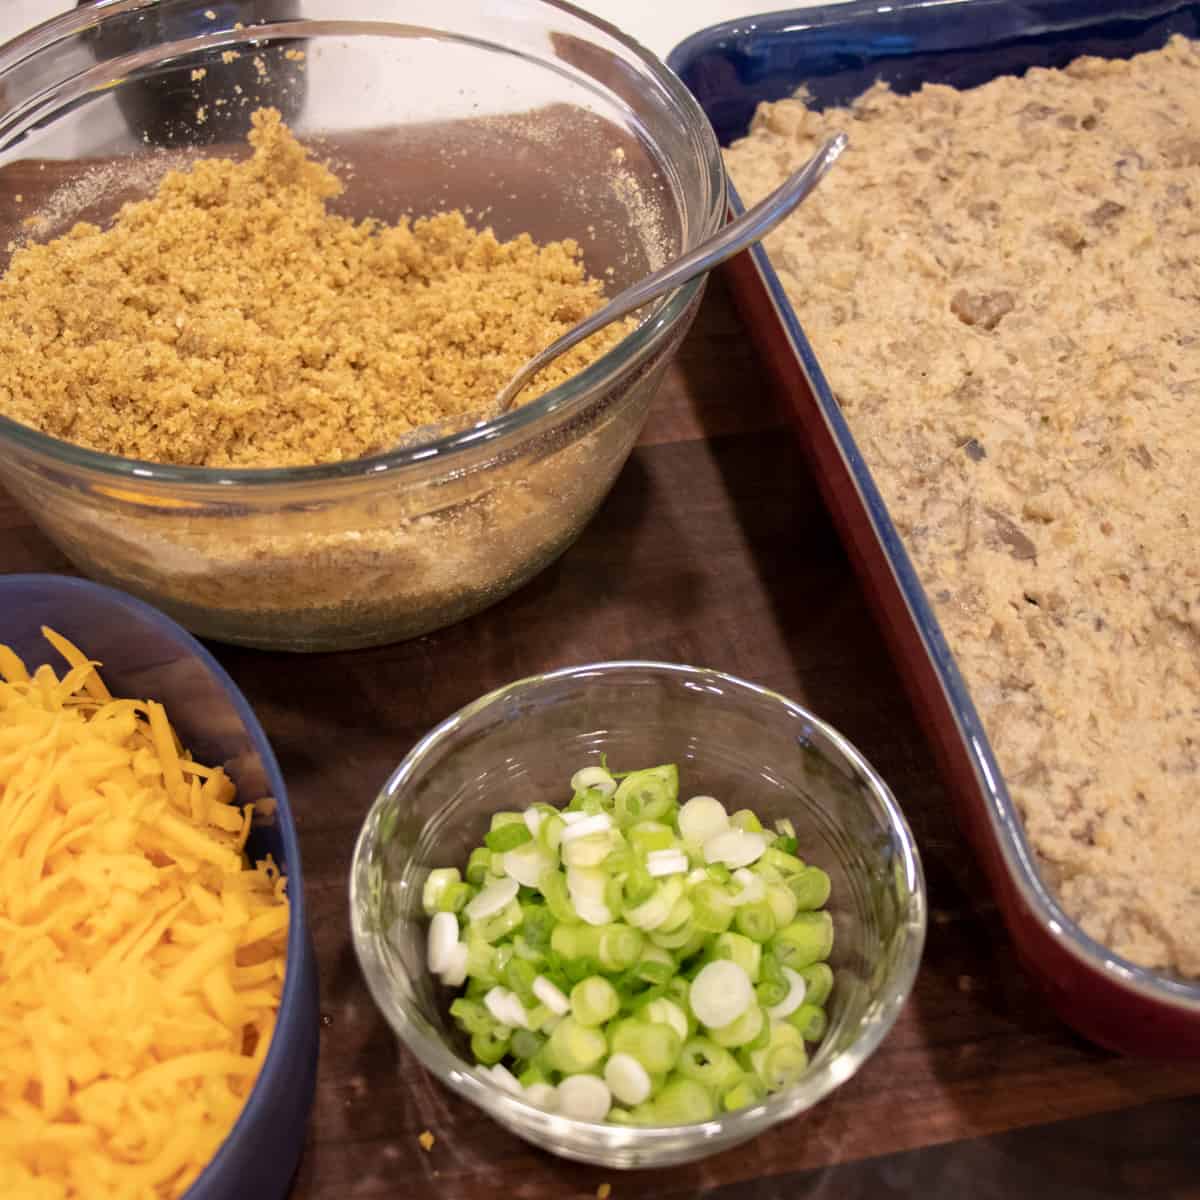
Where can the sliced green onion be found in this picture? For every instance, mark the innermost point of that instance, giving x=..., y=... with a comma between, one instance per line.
x=745, y=819
x=690, y=949
x=584, y=1097
x=783, y=904
x=455, y=973
x=666, y=1012
x=747, y=1091
x=536, y=927
x=683, y=1101
x=551, y=996
x=654, y=1045
x=811, y=887
x=818, y=980
x=627, y=1079
x=491, y=900
x=654, y=912
x=587, y=827
x=739, y=949
x=637, y=887
x=667, y=862
x=580, y=968
x=442, y=937
x=550, y=830
x=456, y=897
x=519, y=975
x=478, y=866
x=674, y=939
x=770, y=992
x=588, y=851
x=481, y=961
x=526, y=1044
x=507, y=837
x=735, y=848
x=720, y=993
x=756, y=921
x=646, y=795
x=707, y=1063
x=811, y=1021
x=493, y=928
x=712, y=907
x=529, y=864
x=597, y=939
x=594, y=1001
x=783, y=1060
x=808, y=939
x=652, y=956
x=541, y=1094
x=471, y=1016
x=595, y=779
x=701, y=818
x=505, y=1008
x=586, y=887
x=648, y=836
x=574, y=1047
x=776, y=860
x=787, y=1004
x=619, y=946
x=614, y=890
x=540, y=1019
x=743, y=1031
x=435, y=885
x=558, y=898
x=751, y=887
x=489, y=1047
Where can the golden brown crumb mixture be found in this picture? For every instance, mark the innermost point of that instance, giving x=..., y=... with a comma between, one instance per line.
x=1003, y=284
x=232, y=320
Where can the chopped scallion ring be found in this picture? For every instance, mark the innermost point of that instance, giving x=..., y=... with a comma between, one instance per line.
x=623, y=949
x=443, y=937
x=491, y=900
x=593, y=779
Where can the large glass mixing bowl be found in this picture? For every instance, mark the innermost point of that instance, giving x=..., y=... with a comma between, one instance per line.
x=543, y=119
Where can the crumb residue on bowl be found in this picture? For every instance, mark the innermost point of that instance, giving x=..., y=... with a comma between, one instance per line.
x=1002, y=285
x=231, y=320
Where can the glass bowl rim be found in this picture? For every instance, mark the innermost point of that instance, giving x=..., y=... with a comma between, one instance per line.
x=559, y=402
x=468, y=1081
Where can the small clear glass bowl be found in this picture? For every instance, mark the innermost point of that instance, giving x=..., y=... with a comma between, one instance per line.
x=733, y=739
x=529, y=116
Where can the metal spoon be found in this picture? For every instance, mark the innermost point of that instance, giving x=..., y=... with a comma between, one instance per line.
x=752, y=225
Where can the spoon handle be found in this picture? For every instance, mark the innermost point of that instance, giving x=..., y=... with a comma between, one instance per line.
x=752, y=225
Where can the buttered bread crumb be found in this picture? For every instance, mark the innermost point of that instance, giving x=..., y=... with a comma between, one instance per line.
x=1003, y=286
x=233, y=320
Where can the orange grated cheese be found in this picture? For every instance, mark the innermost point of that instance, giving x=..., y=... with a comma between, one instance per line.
x=141, y=958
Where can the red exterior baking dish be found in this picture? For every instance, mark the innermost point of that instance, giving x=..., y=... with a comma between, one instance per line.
x=837, y=52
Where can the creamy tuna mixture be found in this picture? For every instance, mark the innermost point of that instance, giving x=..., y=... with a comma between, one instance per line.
x=1003, y=285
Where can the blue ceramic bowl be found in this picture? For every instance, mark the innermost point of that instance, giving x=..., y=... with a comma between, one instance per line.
x=145, y=654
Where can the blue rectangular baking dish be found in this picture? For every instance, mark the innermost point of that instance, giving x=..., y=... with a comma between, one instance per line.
x=837, y=52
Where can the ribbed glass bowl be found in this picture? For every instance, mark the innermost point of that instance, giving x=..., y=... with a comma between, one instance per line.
x=527, y=111
x=749, y=747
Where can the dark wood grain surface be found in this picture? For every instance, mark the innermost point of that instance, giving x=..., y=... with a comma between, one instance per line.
x=713, y=549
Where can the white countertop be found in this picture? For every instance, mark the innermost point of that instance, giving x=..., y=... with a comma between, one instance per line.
x=657, y=24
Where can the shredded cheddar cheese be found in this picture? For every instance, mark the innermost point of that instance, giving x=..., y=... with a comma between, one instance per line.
x=141, y=958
